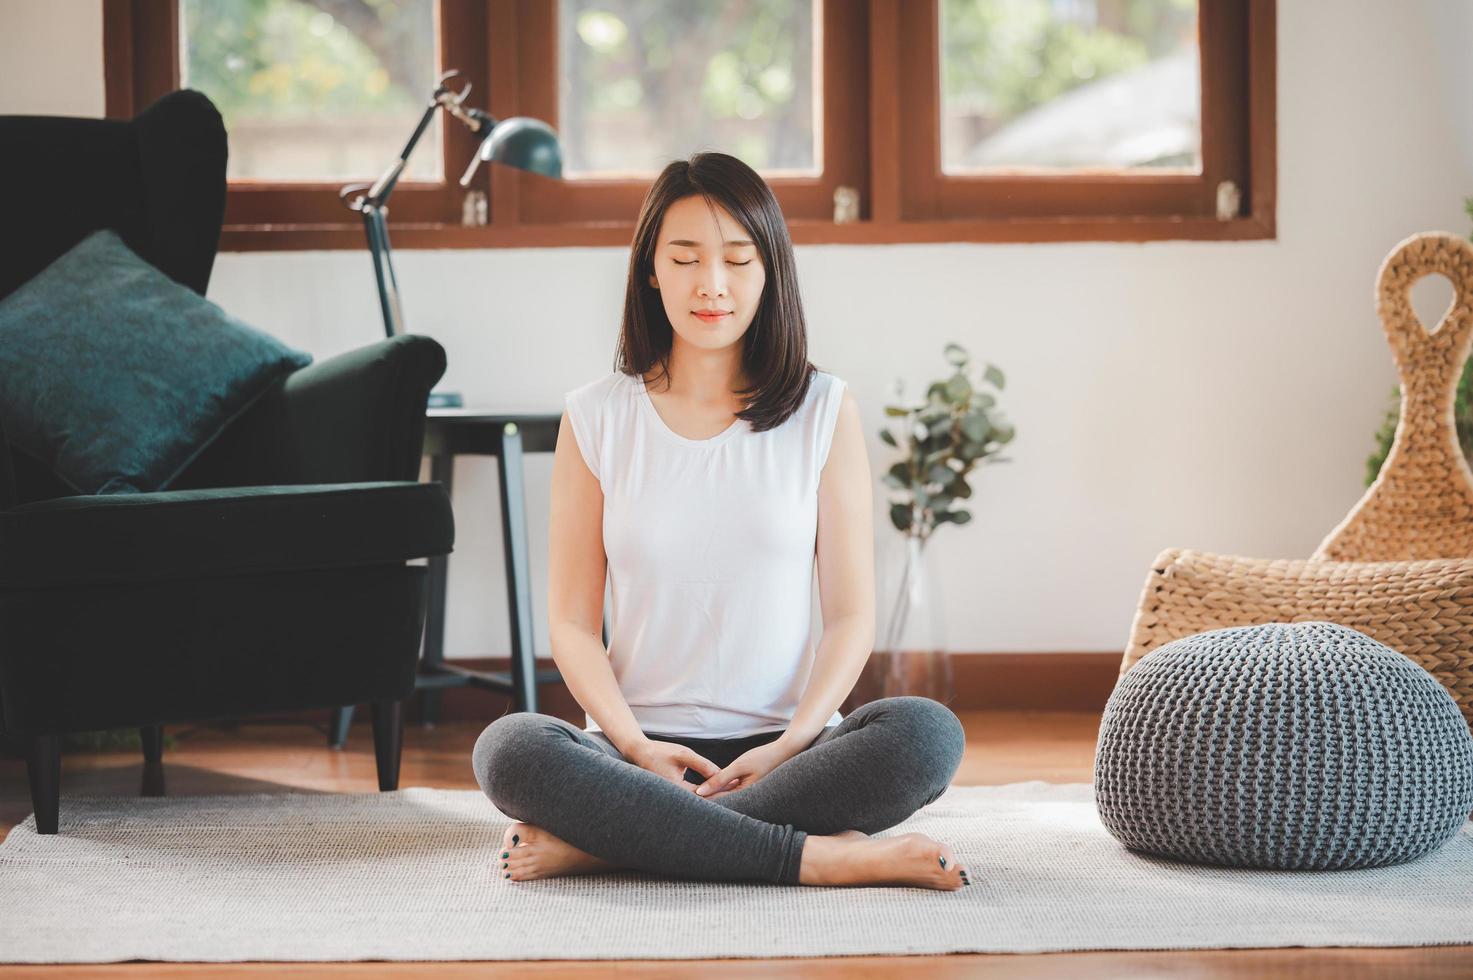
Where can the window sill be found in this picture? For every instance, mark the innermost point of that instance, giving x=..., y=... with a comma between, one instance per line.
x=291, y=238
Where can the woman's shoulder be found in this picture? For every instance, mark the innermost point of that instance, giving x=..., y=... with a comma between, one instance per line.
x=593, y=409
x=592, y=396
x=826, y=387
x=828, y=377
x=601, y=385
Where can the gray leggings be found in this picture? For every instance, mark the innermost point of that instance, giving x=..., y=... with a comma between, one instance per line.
x=885, y=760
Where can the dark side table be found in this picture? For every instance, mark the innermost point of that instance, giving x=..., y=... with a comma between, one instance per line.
x=451, y=432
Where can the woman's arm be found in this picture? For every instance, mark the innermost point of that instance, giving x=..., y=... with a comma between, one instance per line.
x=846, y=579
x=576, y=567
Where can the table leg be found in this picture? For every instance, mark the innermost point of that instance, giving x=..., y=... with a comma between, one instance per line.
x=442, y=470
x=338, y=725
x=518, y=571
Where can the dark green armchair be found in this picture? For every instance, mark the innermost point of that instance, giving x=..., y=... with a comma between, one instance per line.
x=275, y=574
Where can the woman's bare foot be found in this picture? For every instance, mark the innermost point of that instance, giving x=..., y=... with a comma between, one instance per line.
x=529, y=852
x=910, y=859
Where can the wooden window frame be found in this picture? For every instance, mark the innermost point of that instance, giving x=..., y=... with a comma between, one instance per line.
x=880, y=136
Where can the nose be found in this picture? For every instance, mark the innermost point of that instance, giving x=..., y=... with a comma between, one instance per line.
x=712, y=283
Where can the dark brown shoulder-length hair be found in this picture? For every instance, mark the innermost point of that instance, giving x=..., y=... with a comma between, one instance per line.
x=775, y=346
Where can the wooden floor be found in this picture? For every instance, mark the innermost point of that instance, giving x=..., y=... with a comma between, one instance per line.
x=1003, y=747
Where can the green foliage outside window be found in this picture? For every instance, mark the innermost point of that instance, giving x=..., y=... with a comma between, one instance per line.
x=733, y=72
x=287, y=57
x=1019, y=55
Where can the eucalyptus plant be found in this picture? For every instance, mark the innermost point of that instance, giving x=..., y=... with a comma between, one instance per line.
x=953, y=430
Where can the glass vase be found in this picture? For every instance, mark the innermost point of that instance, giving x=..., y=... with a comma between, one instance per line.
x=910, y=626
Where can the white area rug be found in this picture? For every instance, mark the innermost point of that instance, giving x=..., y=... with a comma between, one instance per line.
x=415, y=875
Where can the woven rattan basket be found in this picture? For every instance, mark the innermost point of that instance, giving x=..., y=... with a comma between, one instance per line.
x=1400, y=566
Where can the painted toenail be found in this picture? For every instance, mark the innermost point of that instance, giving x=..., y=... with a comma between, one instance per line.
x=505, y=854
x=505, y=865
x=507, y=875
x=516, y=838
x=943, y=862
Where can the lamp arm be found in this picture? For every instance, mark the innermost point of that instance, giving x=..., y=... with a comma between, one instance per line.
x=372, y=205
x=379, y=193
x=477, y=121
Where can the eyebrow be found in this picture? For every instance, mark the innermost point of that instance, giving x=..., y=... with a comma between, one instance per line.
x=687, y=242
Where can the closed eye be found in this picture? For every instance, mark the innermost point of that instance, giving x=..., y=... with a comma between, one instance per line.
x=694, y=261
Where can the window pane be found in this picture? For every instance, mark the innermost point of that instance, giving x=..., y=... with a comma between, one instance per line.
x=643, y=82
x=1099, y=84
x=316, y=89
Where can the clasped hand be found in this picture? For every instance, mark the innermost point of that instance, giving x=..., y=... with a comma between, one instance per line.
x=670, y=760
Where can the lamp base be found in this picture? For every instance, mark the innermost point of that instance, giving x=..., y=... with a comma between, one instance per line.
x=445, y=399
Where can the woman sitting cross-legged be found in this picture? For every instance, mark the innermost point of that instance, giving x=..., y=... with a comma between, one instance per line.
x=714, y=748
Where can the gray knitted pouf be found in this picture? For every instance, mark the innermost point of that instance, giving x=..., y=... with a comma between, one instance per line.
x=1286, y=745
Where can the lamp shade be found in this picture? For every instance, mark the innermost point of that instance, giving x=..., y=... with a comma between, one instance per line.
x=525, y=143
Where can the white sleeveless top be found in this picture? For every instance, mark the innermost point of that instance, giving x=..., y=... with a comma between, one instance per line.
x=710, y=546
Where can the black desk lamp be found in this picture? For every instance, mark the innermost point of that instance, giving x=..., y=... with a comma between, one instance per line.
x=519, y=141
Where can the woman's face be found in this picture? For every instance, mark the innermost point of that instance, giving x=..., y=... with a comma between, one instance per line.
x=706, y=262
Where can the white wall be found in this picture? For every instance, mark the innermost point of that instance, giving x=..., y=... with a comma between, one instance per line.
x=51, y=57
x=1220, y=396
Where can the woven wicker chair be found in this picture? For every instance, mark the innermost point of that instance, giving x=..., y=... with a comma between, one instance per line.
x=1400, y=566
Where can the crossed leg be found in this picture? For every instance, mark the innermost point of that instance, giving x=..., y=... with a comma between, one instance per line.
x=546, y=772
x=883, y=762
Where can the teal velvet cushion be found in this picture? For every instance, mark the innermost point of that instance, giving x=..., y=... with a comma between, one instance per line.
x=116, y=376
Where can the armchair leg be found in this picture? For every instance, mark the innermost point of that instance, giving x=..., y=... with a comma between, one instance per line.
x=43, y=766
x=152, y=737
x=337, y=728
x=153, y=743
x=388, y=730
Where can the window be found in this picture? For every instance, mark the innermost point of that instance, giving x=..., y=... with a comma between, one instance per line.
x=1067, y=118
x=703, y=74
x=315, y=94
x=642, y=83
x=873, y=120
x=1050, y=87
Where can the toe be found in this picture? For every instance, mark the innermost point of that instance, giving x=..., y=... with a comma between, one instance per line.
x=516, y=835
x=517, y=866
x=952, y=869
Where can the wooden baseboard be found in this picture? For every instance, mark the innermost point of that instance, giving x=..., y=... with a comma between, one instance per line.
x=1036, y=681
x=982, y=681
x=996, y=681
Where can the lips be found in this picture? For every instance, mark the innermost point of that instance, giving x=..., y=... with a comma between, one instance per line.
x=712, y=317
